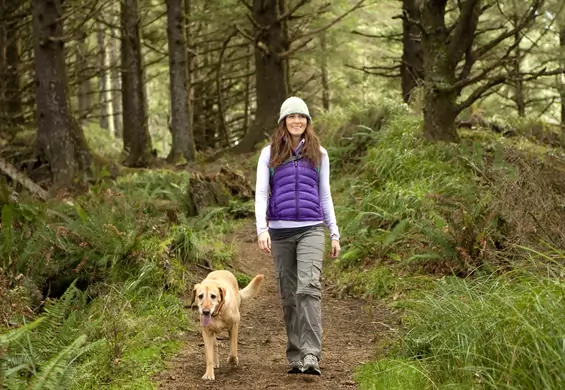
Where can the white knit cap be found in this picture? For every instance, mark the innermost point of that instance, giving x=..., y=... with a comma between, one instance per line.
x=294, y=105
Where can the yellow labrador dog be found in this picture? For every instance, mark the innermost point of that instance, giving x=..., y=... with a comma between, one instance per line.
x=219, y=298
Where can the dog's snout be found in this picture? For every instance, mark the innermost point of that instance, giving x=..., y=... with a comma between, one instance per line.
x=206, y=312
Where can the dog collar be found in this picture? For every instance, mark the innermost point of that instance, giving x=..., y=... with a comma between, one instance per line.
x=218, y=309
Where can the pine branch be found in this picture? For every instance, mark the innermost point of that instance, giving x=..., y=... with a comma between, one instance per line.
x=358, y=5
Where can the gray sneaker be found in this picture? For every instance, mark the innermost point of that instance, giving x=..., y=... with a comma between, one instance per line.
x=296, y=367
x=311, y=365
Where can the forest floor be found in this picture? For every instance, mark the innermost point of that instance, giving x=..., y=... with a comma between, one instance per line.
x=354, y=331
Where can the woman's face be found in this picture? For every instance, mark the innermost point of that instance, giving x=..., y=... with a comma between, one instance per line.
x=296, y=124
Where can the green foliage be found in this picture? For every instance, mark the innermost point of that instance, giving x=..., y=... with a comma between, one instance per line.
x=43, y=356
x=410, y=193
x=482, y=333
x=113, y=262
x=102, y=142
x=407, y=206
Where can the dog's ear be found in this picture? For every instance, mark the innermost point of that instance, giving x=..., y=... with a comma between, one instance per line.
x=193, y=296
x=222, y=293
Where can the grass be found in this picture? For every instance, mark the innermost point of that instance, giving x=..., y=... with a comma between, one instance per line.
x=440, y=232
x=428, y=208
x=493, y=332
x=437, y=231
x=106, y=273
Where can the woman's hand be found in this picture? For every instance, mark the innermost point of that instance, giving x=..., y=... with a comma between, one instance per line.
x=265, y=242
x=334, y=251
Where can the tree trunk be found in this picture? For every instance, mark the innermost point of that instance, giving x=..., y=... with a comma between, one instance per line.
x=270, y=71
x=561, y=83
x=137, y=140
x=440, y=100
x=247, y=97
x=183, y=143
x=84, y=88
x=519, y=99
x=10, y=94
x=411, y=69
x=440, y=113
x=324, y=71
x=190, y=66
x=114, y=51
x=59, y=140
x=104, y=82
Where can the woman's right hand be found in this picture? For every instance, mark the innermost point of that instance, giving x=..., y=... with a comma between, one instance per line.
x=265, y=242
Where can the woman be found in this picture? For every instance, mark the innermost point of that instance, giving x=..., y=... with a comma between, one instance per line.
x=293, y=194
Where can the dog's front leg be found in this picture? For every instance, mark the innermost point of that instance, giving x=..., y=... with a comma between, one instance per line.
x=209, y=341
x=232, y=358
x=216, y=354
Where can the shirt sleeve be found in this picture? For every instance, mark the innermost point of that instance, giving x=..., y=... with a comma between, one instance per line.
x=326, y=200
x=262, y=190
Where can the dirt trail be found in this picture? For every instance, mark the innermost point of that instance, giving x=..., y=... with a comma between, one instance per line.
x=350, y=333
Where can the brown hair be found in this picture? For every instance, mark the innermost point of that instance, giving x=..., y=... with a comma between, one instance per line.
x=281, y=149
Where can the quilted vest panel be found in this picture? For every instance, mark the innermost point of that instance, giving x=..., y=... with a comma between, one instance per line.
x=295, y=193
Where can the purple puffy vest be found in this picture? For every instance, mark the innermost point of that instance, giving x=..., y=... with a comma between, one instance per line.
x=294, y=192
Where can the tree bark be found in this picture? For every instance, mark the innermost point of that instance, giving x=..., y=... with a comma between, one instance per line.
x=247, y=98
x=115, y=72
x=190, y=67
x=59, y=139
x=270, y=68
x=84, y=87
x=519, y=98
x=104, y=81
x=561, y=83
x=10, y=95
x=183, y=142
x=411, y=69
x=440, y=62
x=137, y=140
x=325, y=71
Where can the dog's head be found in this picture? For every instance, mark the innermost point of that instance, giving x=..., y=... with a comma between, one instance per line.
x=208, y=296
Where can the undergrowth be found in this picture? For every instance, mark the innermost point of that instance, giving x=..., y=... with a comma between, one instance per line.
x=104, y=274
x=491, y=332
x=432, y=208
x=440, y=232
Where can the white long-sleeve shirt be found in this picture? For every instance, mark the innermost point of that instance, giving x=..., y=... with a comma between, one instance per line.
x=262, y=197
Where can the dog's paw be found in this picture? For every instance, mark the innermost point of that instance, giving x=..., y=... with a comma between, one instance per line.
x=208, y=377
x=217, y=364
x=233, y=360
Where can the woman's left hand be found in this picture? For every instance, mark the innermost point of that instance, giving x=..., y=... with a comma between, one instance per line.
x=334, y=251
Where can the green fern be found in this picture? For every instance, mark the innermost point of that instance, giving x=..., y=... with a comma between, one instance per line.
x=52, y=373
x=43, y=354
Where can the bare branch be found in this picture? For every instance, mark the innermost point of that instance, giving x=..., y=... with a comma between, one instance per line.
x=480, y=91
x=464, y=32
x=291, y=11
x=526, y=19
x=548, y=106
x=382, y=71
x=411, y=21
x=248, y=6
x=543, y=72
x=333, y=22
x=243, y=33
x=465, y=81
x=392, y=37
x=289, y=52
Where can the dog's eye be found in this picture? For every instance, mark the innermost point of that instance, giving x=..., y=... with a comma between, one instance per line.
x=213, y=296
x=200, y=296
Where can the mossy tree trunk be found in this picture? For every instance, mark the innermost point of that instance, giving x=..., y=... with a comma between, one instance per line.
x=60, y=138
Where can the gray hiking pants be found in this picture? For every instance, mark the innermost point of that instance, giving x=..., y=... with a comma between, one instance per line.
x=298, y=267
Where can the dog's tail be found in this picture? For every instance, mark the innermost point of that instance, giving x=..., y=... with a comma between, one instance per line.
x=252, y=288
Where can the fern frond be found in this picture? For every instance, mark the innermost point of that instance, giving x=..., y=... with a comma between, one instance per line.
x=16, y=334
x=53, y=372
